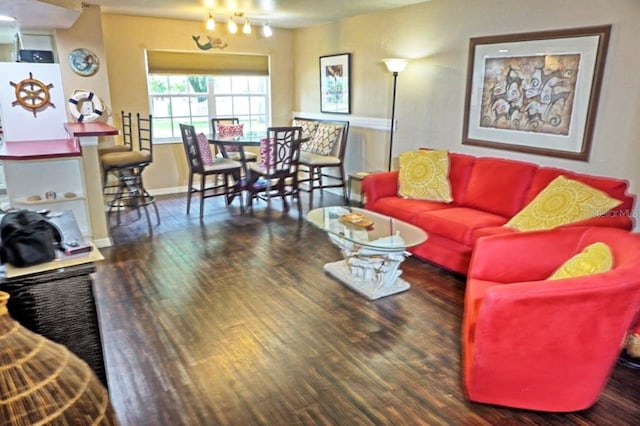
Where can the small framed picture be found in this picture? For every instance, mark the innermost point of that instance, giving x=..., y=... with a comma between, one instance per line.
x=335, y=82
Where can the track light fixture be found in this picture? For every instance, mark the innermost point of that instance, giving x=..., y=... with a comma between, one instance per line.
x=232, y=24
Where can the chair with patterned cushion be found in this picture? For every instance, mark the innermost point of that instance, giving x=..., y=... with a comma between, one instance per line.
x=128, y=167
x=232, y=124
x=322, y=156
x=277, y=172
x=202, y=163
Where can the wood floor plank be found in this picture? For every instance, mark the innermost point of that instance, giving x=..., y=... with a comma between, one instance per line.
x=232, y=321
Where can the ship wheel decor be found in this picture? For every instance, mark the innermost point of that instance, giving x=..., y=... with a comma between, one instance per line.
x=32, y=94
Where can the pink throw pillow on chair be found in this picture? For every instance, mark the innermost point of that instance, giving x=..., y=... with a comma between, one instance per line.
x=267, y=153
x=230, y=130
x=205, y=149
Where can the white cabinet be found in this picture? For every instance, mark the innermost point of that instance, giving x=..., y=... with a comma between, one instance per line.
x=28, y=180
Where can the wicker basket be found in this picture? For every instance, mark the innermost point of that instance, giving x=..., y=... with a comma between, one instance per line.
x=42, y=382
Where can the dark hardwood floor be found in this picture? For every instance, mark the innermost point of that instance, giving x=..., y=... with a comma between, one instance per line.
x=233, y=321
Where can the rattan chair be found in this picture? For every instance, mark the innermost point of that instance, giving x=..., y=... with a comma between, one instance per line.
x=45, y=383
x=228, y=170
x=277, y=172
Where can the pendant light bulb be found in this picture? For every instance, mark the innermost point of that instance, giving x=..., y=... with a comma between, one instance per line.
x=247, y=27
x=266, y=30
x=233, y=28
x=211, y=24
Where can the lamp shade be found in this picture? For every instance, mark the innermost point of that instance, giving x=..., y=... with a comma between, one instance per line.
x=395, y=64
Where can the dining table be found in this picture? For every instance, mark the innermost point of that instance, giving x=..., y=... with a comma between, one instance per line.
x=225, y=144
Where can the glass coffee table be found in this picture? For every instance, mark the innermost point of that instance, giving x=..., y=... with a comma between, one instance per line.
x=373, y=246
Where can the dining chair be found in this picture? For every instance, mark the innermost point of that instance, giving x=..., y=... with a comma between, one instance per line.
x=228, y=151
x=325, y=171
x=202, y=164
x=277, y=172
x=128, y=167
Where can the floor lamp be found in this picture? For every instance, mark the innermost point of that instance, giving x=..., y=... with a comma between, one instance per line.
x=395, y=66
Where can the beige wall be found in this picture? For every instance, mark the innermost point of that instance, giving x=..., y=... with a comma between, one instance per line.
x=431, y=91
x=86, y=32
x=127, y=37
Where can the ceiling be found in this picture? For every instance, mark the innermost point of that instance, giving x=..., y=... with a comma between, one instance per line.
x=48, y=14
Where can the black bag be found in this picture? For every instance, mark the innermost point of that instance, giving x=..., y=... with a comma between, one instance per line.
x=27, y=238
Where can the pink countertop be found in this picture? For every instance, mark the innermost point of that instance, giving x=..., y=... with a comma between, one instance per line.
x=93, y=128
x=55, y=148
x=42, y=149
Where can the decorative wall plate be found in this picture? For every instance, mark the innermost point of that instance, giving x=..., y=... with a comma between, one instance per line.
x=84, y=62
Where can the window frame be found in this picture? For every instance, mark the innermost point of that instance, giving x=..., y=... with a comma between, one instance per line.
x=212, y=96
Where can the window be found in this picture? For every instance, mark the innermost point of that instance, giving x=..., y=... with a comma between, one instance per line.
x=195, y=100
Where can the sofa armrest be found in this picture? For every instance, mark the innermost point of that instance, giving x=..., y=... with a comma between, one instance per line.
x=378, y=185
x=622, y=222
x=529, y=256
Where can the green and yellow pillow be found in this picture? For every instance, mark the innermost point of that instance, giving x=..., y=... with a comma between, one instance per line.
x=562, y=201
x=424, y=175
x=594, y=259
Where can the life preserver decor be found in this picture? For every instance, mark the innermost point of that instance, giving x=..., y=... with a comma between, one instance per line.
x=85, y=106
x=32, y=94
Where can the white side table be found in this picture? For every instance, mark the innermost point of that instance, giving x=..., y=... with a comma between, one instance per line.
x=357, y=176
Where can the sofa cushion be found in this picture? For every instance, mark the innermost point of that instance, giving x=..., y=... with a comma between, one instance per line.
x=563, y=201
x=498, y=185
x=616, y=188
x=595, y=258
x=460, y=167
x=457, y=223
x=424, y=175
x=404, y=209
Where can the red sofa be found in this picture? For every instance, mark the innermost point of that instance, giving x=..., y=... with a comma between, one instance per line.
x=546, y=345
x=486, y=192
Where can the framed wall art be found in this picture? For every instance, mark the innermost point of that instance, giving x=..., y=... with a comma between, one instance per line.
x=335, y=82
x=535, y=92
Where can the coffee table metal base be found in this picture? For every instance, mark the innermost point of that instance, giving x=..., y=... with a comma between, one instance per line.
x=370, y=272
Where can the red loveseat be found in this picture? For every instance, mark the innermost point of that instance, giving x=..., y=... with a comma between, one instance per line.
x=546, y=345
x=486, y=192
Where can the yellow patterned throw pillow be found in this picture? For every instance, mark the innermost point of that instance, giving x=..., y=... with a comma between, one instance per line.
x=562, y=201
x=594, y=259
x=424, y=176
